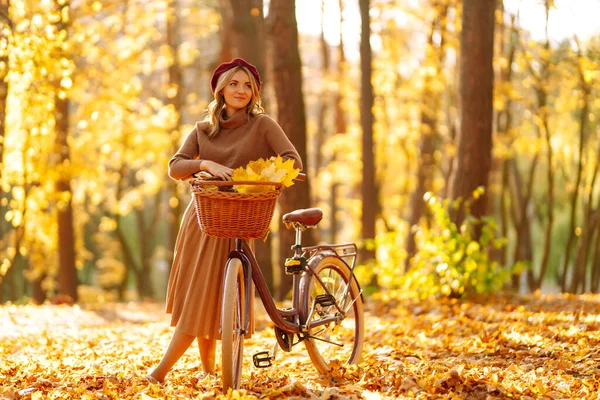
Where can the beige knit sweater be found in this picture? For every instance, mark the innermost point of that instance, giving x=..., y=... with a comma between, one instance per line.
x=241, y=139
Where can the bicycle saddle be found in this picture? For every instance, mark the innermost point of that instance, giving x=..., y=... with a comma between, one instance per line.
x=308, y=217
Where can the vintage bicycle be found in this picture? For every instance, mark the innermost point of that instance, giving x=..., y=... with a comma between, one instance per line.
x=327, y=304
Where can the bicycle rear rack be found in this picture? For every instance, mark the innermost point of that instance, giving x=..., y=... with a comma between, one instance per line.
x=343, y=250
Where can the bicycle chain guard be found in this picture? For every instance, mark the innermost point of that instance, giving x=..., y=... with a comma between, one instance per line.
x=285, y=339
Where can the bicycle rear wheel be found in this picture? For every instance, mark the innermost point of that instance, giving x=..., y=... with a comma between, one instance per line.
x=232, y=325
x=335, y=341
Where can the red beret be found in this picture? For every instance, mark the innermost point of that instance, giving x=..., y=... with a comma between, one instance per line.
x=237, y=62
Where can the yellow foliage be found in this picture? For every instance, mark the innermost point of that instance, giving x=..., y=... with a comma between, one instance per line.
x=274, y=169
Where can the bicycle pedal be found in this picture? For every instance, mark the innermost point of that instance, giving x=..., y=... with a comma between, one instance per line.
x=325, y=300
x=262, y=359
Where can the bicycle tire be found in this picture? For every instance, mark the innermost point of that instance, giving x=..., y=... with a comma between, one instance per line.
x=334, y=273
x=232, y=321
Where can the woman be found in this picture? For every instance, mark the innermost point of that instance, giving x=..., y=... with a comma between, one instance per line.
x=235, y=132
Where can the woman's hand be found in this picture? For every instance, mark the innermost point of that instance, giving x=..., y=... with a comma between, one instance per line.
x=216, y=169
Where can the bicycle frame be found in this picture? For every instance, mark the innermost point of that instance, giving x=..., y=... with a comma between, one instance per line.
x=252, y=272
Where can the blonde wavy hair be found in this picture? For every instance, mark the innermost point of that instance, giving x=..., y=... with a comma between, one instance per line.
x=216, y=108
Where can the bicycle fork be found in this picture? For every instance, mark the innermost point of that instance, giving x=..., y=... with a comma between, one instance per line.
x=238, y=254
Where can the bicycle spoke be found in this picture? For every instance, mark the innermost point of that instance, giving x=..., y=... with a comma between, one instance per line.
x=352, y=303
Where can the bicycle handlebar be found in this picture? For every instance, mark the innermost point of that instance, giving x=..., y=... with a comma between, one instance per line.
x=206, y=176
x=301, y=177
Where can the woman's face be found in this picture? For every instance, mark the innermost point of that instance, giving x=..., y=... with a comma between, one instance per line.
x=237, y=92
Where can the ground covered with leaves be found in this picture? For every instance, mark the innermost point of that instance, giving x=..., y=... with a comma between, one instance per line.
x=493, y=348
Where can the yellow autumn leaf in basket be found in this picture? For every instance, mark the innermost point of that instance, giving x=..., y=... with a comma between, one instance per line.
x=288, y=166
x=274, y=169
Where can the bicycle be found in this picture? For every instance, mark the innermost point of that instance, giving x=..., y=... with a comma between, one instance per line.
x=327, y=303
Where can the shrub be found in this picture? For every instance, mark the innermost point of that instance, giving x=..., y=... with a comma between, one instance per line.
x=451, y=261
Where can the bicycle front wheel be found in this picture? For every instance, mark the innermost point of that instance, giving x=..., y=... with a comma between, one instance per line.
x=232, y=325
x=340, y=340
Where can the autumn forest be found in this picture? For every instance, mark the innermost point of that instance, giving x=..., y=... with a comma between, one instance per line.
x=456, y=142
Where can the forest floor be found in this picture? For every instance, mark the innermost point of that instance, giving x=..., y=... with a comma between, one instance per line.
x=494, y=348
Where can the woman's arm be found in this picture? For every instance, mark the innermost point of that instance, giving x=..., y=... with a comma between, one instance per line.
x=279, y=142
x=185, y=162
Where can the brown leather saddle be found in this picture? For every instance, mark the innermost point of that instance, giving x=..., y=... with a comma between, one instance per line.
x=303, y=219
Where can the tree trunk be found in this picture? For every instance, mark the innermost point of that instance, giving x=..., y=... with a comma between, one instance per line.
x=12, y=285
x=595, y=275
x=89, y=241
x=320, y=135
x=131, y=266
x=340, y=127
x=287, y=80
x=583, y=121
x=369, y=189
x=16, y=287
x=146, y=232
x=476, y=84
x=37, y=292
x=8, y=292
x=175, y=98
x=340, y=118
x=226, y=31
x=595, y=281
x=542, y=94
x=66, y=233
x=248, y=31
x=430, y=104
x=520, y=203
x=4, y=6
x=503, y=127
x=448, y=162
x=4, y=226
x=582, y=252
x=518, y=192
x=67, y=277
x=128, y=260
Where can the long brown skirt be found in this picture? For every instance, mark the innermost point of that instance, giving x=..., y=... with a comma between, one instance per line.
x=196, y=281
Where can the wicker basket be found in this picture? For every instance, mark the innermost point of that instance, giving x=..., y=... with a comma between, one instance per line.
x=228, y=214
